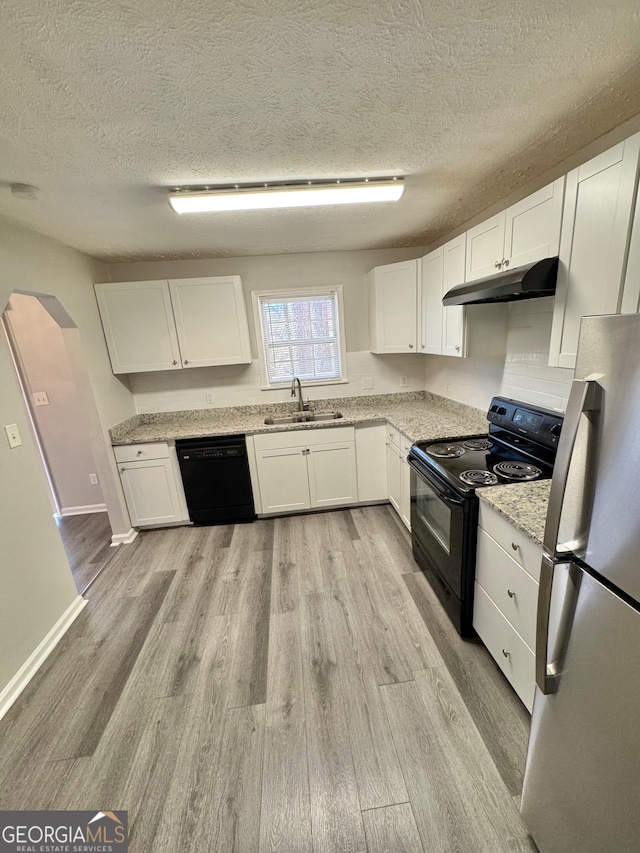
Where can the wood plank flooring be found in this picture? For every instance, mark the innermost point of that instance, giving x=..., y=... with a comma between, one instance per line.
x=86, y=540
x=290, y=685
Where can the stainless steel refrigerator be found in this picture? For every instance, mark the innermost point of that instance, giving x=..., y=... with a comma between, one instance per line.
x=582, y=780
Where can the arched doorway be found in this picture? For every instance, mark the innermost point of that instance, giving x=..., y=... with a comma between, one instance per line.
x=50, y=364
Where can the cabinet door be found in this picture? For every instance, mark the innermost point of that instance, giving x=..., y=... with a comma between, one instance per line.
x=211, y=321
x=593, y=247
x=151, y=492
x=485, y=248
x=405, y=482
x=138, y=326
x=394, y=477
x=453, y=316
x=393, y=299
x=532, y=226
x=332, y=474
x=431, y=302
x=283, y=479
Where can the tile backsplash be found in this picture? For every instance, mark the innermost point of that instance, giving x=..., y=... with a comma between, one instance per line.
x=527, y=375
x=240, y=385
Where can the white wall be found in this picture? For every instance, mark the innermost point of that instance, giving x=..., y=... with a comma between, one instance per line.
x=40, y=346
x=240, y=385
x=36, y=582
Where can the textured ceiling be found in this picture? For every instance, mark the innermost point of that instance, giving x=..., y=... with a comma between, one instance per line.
x=106, y=104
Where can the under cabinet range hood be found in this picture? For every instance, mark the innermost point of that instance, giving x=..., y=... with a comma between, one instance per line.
x=527, y=282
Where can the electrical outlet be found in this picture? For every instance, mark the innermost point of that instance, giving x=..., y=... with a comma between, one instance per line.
x=209, y=397
x=40, y=398
x=13, y=435
x=93, y=479
x=403, y=381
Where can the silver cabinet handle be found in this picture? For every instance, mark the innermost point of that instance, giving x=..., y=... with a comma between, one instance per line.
x=506, y=653
x=410, y=346
x=186, y=361
x=498, y=265
x=457, y=348
x=122, y=470
x=511, y=593
x=174, y=361
x=515, y=546
x=505, y=262
x=139, y=453
x=422, y=346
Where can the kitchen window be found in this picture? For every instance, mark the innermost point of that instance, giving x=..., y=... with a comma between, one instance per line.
x=302, y=335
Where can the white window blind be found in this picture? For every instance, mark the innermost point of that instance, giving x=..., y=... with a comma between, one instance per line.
x=301, y=337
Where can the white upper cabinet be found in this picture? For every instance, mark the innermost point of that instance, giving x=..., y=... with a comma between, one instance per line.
x=485, y=247
x=526, y=232
x=593, y=251
x=453, y=316
x=168, y=325
x=532, y=226
x=431, y=278
x=138, y=326
x=393, y=300
x=211, y=321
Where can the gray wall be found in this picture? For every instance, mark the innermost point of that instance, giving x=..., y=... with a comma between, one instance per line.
x=37, y=586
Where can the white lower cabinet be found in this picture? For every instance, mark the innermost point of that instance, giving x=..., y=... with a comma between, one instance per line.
x=399, y=474
x=152, y=486
x=506, y=596
x=306, y=469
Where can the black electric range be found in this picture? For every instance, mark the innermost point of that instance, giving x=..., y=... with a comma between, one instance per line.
x=520, y=446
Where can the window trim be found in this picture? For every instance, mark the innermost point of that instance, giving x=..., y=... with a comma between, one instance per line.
x=290, y=293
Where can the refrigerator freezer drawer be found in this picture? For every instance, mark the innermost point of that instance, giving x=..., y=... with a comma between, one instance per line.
x=506, y=646
x=512, y=590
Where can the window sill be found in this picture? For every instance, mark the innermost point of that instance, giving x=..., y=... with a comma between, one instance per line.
x=286, y=386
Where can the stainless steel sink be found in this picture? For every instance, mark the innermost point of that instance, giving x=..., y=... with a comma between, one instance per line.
x=303, y=418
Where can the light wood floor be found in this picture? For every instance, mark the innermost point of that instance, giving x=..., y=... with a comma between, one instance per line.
x=86, y=540
x=290, y=685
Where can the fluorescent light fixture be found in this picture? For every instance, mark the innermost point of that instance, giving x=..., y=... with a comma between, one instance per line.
x=308, y=194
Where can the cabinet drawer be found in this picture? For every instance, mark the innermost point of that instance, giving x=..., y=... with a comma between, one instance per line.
x=136, y=452
x=303, y=437
x=511, y=653
x=511, y=589
x=393, y=435
x=517, y=544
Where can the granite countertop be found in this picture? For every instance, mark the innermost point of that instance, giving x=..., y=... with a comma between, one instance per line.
x=523, y=504
x=420, y=415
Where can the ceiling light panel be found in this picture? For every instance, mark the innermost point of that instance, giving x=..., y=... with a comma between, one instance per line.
x=298, y=195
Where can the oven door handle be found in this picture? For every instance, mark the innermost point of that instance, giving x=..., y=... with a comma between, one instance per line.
x=444, y=493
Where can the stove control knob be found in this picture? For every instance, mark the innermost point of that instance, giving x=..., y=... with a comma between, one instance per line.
x=555, y=430
x=502, y=410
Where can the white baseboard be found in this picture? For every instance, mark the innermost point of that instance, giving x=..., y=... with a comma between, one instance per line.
x=124, y=538
x=81, y=510
x=33, y=663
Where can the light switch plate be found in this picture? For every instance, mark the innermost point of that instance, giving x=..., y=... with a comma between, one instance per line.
x=209, y=397
x=13, y=435
x=40, y=398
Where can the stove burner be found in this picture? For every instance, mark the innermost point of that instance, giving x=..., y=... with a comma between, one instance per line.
x=477, y=444
x=445, y=450
x=517, y=471
x=478, y=477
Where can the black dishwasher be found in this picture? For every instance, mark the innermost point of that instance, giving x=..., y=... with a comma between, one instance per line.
x=217, y=483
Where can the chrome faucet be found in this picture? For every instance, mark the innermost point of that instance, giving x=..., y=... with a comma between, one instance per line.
x=301, y=404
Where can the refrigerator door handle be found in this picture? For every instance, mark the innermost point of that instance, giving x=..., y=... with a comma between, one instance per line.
x=585, y=397
x=546, y=678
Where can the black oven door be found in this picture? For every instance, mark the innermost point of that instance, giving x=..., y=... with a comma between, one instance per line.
x=444, y=531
